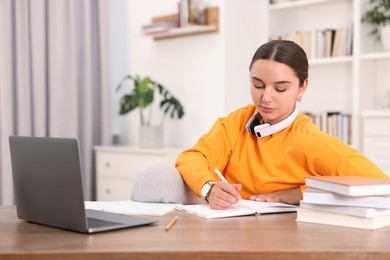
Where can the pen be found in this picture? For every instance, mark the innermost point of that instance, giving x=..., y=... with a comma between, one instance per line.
x=223, y=179
x=220, y=175
x=171, y=223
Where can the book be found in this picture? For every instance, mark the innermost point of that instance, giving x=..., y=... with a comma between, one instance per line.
x=312, y=195
x=167, y=24
x=243, y=208
x=336, y=219
x=158, y=27
x=184, y=13
x=155, y=30
x=320, y=41
x=350, y=185
x=347, y=210
x=329, y=41
x=129, y=207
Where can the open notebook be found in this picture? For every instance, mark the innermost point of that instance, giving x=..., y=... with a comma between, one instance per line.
x=129, y=207
x=243, y=208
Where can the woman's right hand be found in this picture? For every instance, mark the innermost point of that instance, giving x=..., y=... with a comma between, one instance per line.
x=223, y=195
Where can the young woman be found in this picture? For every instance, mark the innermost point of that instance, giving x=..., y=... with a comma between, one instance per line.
x=265, y=150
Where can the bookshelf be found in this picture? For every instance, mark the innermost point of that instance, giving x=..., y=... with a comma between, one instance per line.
x=376, y=131
x=349, y=83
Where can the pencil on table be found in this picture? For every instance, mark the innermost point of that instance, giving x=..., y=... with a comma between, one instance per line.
x=171, y=223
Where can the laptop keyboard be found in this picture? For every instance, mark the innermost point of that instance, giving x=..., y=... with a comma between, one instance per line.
x=95, y=222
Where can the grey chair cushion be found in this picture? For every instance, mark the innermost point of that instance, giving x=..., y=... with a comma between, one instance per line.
x=160, y=182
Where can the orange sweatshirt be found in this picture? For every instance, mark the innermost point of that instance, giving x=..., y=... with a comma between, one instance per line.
x=276, y=162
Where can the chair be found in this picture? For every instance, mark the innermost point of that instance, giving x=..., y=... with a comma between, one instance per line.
x=160, y=182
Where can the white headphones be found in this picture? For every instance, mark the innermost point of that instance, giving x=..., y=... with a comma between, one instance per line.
x=260, y=130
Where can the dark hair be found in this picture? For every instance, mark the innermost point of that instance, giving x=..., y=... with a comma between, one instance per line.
x=286, y=52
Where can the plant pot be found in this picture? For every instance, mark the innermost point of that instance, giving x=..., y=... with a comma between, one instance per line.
x=385, y=37
x=151, y=136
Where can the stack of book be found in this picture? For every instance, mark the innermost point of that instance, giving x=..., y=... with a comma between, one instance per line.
x=348, y=201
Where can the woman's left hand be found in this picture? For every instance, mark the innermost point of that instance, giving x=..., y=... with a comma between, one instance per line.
x=290, y=196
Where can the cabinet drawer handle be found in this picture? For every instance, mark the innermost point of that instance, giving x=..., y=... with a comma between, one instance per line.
x=108, y=191
x=108, y=165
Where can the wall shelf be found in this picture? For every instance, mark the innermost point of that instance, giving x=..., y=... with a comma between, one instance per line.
x=185, y=31
x=375, y=56
x=297, y=4
x=331, y=60
x=211, y=25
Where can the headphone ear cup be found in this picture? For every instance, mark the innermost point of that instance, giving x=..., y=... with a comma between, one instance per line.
x=252, y=123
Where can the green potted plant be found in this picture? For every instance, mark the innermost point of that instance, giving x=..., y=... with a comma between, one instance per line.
x=378, y=17
x=142, y=96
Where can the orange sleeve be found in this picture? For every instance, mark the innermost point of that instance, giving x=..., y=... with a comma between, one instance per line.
x=213, y=150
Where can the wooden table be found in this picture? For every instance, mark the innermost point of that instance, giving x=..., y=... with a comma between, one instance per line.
x=275, y=236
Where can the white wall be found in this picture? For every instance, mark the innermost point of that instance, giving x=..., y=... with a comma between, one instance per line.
x=207, y=73
x=245, y=31
x=119, y=64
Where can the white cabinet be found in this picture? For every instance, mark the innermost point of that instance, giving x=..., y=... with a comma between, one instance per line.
x=349, y=84
x=376, y=129
x=117, y=166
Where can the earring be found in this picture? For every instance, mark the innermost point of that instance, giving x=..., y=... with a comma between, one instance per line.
x=299, y=99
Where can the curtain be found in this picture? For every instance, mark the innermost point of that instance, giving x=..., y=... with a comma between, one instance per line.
x=54, y=78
